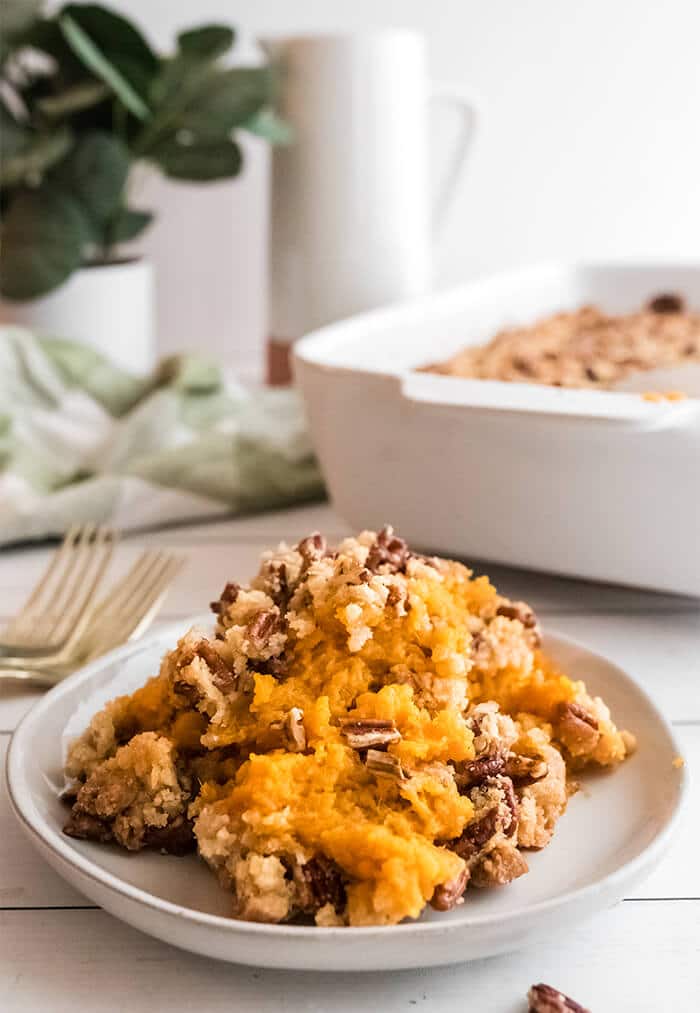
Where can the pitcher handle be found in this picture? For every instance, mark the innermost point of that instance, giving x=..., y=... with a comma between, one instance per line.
x=468, y=108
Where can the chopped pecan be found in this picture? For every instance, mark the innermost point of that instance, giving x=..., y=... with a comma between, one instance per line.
x=324, y=882
x=476, y=835
x=175, y=838
x=449, y=895
x=474, y=772
x=273, y=666
x=545, y=999
x=278, y=580
x=292, y=731
x=295, y=729
x=228, y=597
x=311, y=548
x=223, y=677
x=388, y=551
x=369, y=732
x=667, y=302
x=263, y=626
x=525, y=768
x=510, y=824
x=518, y=610
x=87, y=828
x=385, y=764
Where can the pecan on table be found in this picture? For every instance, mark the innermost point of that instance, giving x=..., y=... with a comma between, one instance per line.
x=545, y=999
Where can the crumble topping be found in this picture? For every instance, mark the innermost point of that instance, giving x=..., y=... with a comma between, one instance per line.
x=366, y=732
x=585, y=347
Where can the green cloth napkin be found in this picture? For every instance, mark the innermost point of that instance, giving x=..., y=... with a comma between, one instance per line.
x=82, y=440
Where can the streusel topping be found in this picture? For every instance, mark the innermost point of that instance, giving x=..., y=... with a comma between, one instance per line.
x=585, y=347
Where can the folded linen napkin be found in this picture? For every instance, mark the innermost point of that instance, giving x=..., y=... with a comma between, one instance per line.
x=81, y=440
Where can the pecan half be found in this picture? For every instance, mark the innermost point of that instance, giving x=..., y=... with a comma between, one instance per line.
x=525, y=768
x=474, y=772
x=545, y=999
x=388, y=551
x=385, y=764
x=577, y=729
x=369, y=732
x=449, y=895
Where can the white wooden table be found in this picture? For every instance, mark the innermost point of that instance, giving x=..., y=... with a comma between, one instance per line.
x=59, y=952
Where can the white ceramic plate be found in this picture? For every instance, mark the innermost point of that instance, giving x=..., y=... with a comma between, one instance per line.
x=613, y=834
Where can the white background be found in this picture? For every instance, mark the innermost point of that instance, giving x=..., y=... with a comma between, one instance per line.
x=590, y=146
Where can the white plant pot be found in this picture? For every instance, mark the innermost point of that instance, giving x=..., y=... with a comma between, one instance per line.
x=109, y=307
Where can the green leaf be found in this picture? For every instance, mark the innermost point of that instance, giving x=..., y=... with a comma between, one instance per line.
x=83, y=46
x=207, y=102
x=226, y=99
x=74, y=99
x=129, y=224
x=33, y=156
x=268, y=125
x=201, y=162
x=208, y=41
x=43, y=236
x=119, y=41
x=94, y=174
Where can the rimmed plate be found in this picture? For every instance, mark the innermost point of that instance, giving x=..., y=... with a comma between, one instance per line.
x=614, y=833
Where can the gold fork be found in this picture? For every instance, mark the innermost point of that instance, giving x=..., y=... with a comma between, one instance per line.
x=121, y=616
x=56, y=614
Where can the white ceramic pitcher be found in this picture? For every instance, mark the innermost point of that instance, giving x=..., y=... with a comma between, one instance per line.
x=353, y=211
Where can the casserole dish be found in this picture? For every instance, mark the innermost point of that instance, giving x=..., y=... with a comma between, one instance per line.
x=593, y=484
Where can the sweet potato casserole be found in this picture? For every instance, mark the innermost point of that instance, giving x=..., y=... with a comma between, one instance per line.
x=367, y=731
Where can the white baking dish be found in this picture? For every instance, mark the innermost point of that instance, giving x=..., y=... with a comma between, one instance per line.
x=592, y=484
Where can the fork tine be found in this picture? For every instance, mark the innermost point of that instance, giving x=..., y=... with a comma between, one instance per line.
x=61, y=557
x=158, y=575
x=122, y=593
x=156, y=598
x=80, y=592
x=47, y=616
x=143, y=606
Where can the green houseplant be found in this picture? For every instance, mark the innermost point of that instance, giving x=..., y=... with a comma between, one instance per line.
x=83, y=99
